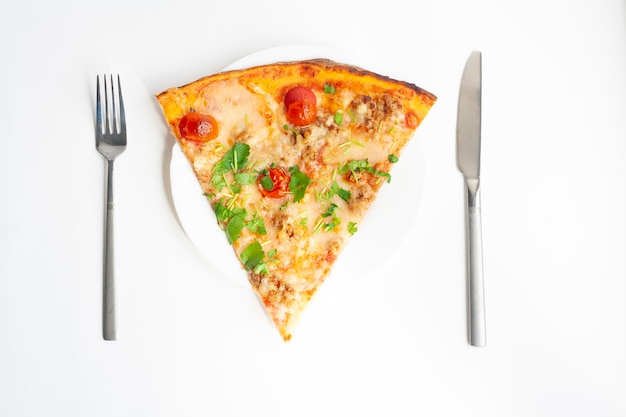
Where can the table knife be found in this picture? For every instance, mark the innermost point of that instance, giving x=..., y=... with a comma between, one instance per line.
x=468, y=132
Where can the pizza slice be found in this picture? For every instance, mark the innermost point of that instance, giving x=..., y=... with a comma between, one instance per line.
x=290, y=157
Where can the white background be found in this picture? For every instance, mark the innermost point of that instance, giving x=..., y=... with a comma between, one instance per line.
x=194, y=344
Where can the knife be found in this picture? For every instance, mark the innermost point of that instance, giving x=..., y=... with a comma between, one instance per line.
x=468, y=161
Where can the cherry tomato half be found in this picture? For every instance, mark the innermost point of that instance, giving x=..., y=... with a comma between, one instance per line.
x=301, y=106
x=278, y=184
x=198, y=127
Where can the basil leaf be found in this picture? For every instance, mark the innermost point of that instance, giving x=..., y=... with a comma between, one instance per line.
x=329, y=89
x=252, y=256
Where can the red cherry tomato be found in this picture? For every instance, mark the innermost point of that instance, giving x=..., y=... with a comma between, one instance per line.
x=301, y=106
x=198, y=127
x=279, y=186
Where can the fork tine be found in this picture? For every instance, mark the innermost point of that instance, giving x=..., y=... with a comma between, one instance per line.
x=107, y=109
x=110, y=113
x=113, y=118
x=121, y=106
x=98, y=106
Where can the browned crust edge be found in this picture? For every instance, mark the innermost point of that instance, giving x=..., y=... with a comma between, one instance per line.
x=327, y=64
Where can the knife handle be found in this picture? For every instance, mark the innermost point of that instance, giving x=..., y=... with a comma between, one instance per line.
x=476, y=292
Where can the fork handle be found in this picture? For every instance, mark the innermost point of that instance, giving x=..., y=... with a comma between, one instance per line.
x=108, y=301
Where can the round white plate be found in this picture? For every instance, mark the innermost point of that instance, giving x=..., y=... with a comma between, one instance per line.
x=383, y=231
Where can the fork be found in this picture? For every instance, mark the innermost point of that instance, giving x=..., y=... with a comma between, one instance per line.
x=110, y=142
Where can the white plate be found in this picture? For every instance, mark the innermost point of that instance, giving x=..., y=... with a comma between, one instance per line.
x=384, y=229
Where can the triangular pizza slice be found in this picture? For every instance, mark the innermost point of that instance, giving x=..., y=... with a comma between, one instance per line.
x=290, y=156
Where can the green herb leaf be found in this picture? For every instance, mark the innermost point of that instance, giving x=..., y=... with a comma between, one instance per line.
x=267, y=183
x=332, y=224
x=244, y=178
x=221, y=212
x=393, y=158
x=257, y=225
x=298, y=183
x=352, y=228
x=218, y=179
x=329, y=89
x=338, y=117
x=233, y=160
x=241, y=151
x=383, y=174
x=352, y=166
x=341, y=192
x=330, y=210
x=252, y=256
x=290, y=129
x=355, y=166
x=234, y=227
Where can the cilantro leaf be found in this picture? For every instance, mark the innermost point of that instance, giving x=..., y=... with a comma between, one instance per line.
x=332, y=224
x=221, y=212
x=383, y=174
x=352, y=229
x=330, y=211
x=235, y=159
x=341, y=192
x=298, y=183
x=244, y=178
x=234, y=227
x=257, y=225
x=240, y=152
x=355, y=166
x=352, y=166
x=267, y=183
x=252, y=256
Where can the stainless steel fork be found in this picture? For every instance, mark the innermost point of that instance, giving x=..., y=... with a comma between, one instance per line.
x=110, y=142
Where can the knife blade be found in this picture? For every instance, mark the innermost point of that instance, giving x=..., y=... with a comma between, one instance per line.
x=468, y=138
